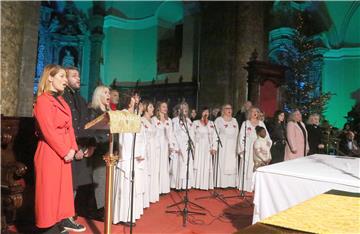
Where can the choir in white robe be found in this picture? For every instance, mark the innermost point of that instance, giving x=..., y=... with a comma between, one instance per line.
x=165, y=138
x=249, y=152
x=227, y=165
x=153, y=161
x=178, y=161
x=122, y=178
x=205, y=140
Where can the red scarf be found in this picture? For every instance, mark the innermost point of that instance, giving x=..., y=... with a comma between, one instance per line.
x=113, y=106
x=205, y=121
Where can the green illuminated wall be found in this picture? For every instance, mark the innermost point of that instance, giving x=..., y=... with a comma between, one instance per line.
x=129, y=55
x=130, y=44
x=341, y=75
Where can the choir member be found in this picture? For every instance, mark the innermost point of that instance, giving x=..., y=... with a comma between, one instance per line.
x=81, y=166
x=184, y=149
x=122, y=180
x=246, y=151
x=100, y=104
x=114, y=99
x=297, y=137
x=152, y=144
x=165, y=138
x=54, y=201
x=240, y=116
x=193, y=115
x=277, y=131
x=262, y=155
x=205, y=149
x=315, y=134
x=228, y=131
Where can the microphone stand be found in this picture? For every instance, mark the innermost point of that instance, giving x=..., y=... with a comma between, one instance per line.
x=186, y=200
x=132, y=168
x=214, y=194
x=242, y=195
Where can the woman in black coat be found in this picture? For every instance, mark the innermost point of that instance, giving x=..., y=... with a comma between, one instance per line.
x=278, y=136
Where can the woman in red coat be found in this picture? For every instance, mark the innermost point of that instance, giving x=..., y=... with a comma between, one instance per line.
x=54, y=199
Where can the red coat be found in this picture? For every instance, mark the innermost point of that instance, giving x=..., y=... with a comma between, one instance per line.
x=54, y=199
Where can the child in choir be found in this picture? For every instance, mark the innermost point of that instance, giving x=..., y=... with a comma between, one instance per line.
x=247, y=137
x=262, y=156
x=122, y=179
x=205, y=149
x=178, y=163
x=166, y=143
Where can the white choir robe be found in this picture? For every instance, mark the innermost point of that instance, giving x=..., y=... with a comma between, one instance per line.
x=227, y=165
x=249, y=152
x=178, y=161
x=205, y=140
x=165, y=139
x=122, y=180
x=152, y=159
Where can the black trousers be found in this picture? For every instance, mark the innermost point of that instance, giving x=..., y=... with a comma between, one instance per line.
x=277, y=152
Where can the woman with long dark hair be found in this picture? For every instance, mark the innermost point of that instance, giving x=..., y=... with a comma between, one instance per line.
x=123, y=171
x=277, y=133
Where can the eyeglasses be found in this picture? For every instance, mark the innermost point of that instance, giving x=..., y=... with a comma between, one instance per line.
x=228, y=108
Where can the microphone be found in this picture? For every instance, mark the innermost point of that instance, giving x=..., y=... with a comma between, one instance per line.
x=181, y=115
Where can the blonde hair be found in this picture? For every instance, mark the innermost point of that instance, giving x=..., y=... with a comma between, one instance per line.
x=44, y=84
x=292, y=115
x=96, y=98
x=223, y=109
x=311, y=118
x=248, y=113
x=183, y=106
x=157, y=110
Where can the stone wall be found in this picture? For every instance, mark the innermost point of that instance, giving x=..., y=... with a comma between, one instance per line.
x=19, y=32
x=230, y=33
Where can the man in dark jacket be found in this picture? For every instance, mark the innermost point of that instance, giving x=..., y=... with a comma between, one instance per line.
x=348, y=145
x=241, y=114
x=81, y=166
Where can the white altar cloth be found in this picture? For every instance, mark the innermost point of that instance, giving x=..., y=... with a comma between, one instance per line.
x=280, y=186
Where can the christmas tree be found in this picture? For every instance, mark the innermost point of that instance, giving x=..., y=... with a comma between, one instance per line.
x=304, y=62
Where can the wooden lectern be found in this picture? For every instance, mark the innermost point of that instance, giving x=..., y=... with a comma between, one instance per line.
x=115, y=122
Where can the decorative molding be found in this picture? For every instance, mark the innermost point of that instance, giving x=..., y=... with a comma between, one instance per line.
x=342, y=53
x=130, y=24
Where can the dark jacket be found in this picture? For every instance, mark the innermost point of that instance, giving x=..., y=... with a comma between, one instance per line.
x=81, y=169
x=102, y=140
x=277, y=134
x=344, y=148
x=314, y=138
x=240, y=117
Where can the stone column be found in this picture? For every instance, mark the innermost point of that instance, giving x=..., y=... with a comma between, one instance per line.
x=12, y=29
x=96, y=23
x=28, y=59
x=95, y=60
x=216, y=52
x=19, y=22
x=251, y=35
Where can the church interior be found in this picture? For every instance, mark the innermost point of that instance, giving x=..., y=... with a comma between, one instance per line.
x=207, y=53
